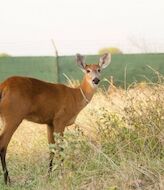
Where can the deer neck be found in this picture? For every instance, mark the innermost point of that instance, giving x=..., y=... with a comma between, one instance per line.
x=87, y=90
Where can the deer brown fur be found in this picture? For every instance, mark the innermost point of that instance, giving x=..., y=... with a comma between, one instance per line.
x=56, y=105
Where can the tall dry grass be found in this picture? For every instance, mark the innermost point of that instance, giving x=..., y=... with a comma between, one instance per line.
x=117, y=142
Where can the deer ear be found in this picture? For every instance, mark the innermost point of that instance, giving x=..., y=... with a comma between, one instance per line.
x=80, y=60
x=105, y=60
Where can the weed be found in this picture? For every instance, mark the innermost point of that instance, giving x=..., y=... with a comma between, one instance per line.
x=116, y=144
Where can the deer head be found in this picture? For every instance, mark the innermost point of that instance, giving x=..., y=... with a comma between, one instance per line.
x=93, y=71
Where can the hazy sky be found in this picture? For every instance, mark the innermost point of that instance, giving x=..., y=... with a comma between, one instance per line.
x=85, y=26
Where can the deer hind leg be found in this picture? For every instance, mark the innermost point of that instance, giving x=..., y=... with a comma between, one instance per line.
x=5, y=137
x=4, y=167
x=57, y=127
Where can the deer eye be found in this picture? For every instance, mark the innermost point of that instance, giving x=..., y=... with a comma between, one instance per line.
x=88, y=71
x=99, y=70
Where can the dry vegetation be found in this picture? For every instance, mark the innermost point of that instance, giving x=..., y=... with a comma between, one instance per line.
x=116, y=144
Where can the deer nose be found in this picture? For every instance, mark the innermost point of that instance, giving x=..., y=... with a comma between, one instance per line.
x=96, y=80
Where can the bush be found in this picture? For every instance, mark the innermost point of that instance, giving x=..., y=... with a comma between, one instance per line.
x=112, y=50
x=4, y=55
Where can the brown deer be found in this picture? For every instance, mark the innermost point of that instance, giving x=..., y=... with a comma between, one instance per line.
x=56, y=105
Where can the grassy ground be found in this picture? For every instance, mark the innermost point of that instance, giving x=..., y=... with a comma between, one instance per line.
x=116, y=144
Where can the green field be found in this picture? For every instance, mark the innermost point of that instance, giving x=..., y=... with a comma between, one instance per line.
x=43, y=68
x=125, y=68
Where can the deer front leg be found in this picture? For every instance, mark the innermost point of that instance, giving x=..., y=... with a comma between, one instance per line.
x=50, y=131
x=57, y=127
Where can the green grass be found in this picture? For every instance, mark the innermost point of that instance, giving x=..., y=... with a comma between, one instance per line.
x=125, y=68
x=129, y=68
x=117, y=143
x=41, y=67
